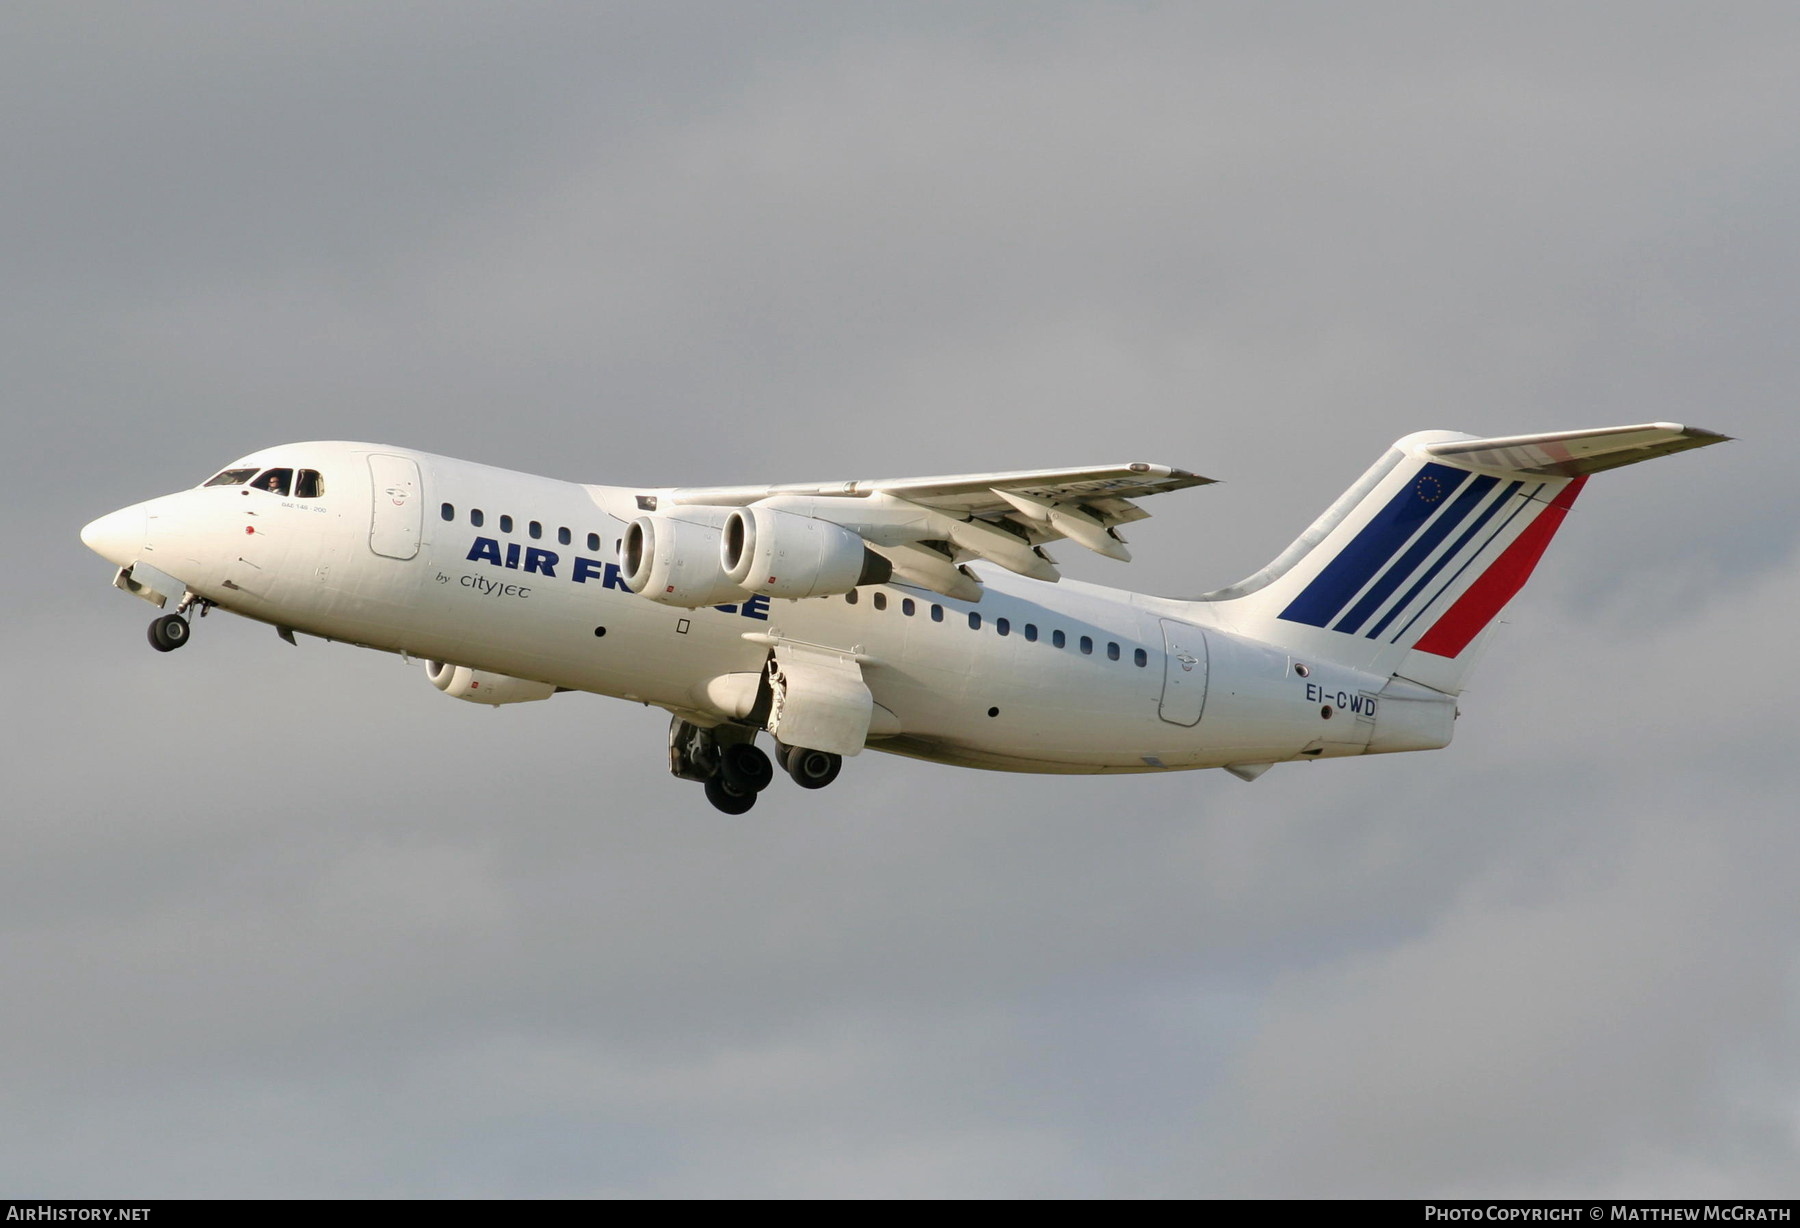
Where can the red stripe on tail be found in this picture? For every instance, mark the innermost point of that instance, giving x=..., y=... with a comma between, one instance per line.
x=1476, y=608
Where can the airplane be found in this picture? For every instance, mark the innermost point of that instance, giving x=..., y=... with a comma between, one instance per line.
x=921, y=617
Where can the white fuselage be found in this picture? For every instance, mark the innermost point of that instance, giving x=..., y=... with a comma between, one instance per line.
x=1035, y=677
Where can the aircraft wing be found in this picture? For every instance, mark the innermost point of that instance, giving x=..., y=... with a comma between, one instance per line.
x=927, y=527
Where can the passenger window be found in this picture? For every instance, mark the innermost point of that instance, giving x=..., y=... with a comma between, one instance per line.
x=974, y=620
x=594, y=542
x=937, y=613
x=310, y=484
x=1003, y=626
x=505, y=524
x=1141, y=657
x=907, y=607
x=1087, y=646
x=535, y=529
x=564, y=537
x=448, y=512
x=850, y=596
x=230, y=477
x=276, y=481
x=476, y=518
x=1112, y=652
x=1031, y=633
x=1058, y=639
x=881, y=601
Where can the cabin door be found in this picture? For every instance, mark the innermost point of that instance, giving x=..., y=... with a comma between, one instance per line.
x=394, y=523
x=1184, y=673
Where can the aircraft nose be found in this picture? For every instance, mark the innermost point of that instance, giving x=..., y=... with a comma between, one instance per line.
x=117, y=537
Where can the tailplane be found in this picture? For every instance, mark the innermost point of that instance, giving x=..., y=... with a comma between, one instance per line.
x=1407, y=570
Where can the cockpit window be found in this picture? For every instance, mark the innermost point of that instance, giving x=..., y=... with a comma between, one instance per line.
x=276, y=481
x=230, y=477
x=309, y=484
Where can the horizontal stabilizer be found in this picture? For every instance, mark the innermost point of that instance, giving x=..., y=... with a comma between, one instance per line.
x=1575, y=453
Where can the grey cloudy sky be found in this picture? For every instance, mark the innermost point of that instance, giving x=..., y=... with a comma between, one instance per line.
x=283, y=921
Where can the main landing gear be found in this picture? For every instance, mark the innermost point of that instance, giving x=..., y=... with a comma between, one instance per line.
x=743, y=772
x=811, y=769
x=727, y=761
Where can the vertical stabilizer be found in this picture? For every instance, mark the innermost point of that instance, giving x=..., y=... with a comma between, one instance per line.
x=1405, y=573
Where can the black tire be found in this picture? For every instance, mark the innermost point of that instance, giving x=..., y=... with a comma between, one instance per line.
x=745, y=768
x=724, y=797
x=812, y=769
x=168, y=633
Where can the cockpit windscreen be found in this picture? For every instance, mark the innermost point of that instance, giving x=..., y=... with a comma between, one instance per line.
x=230, y=477
x=307, y=484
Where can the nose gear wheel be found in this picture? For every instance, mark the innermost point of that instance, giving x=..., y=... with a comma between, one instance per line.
x=168, y=632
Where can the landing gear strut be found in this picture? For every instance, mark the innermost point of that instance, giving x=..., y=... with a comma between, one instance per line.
x=168, y=632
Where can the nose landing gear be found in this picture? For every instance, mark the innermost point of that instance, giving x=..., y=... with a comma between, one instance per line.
x=168, y=632
x=171, y=631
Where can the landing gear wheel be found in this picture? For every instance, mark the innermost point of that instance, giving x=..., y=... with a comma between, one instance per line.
x=745, y=768
x=168, y=633
x=812, y=769
x=728, y=799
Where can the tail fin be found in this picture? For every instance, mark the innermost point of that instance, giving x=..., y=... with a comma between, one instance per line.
x=1404, y=573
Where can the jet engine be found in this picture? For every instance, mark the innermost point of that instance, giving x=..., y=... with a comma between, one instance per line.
x=480, y=687
x=676, y=562
x=784, y=555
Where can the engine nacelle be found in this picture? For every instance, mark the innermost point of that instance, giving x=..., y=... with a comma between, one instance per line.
x=784, y=555
x=480, y=687
x=675, y=562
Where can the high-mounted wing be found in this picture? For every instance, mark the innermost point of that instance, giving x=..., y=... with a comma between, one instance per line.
x=928, y=527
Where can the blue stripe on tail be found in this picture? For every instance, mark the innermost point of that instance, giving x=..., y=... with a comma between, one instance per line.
x=1444, y=559
x=1416, y=554
x=1383, y=537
